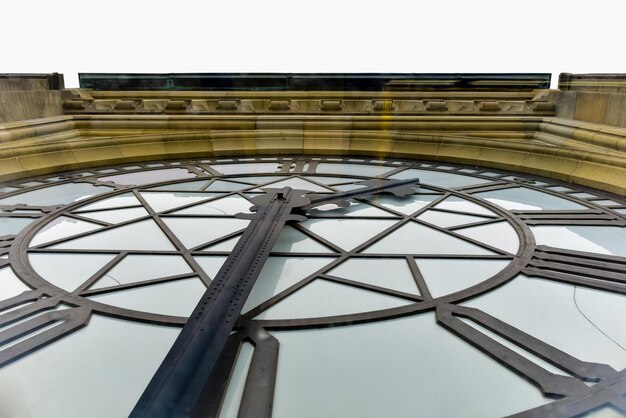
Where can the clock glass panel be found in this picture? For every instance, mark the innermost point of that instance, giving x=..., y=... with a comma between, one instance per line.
x=482, y=293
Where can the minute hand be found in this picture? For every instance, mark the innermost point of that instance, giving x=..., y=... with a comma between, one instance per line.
x=176, y=388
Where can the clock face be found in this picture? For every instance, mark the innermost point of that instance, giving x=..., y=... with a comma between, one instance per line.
x=483, y=293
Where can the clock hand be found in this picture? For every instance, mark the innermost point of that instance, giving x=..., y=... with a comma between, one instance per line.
x=374, y=186
x=176, y=388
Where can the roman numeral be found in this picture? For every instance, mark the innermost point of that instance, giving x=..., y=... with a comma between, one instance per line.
x=297, y=166
x=570, y=217
x=574, y=393
x=38, y=312
x=5, y=245
x=581, y=268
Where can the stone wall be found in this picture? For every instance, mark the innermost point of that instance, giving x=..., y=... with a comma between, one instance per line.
x=597, y=98
x=21, y=82
x=33, y=104
x=30, y=96
x=565, y=135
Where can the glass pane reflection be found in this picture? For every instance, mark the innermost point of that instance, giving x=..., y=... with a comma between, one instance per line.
x=177, y=298
x=99, y=371
x=550, y=311
x=413, y=238
x=521, y=198
x=10, y=285
x=67, y=271
x=62, y=227
x=595, y=239
x=412, y=365
x=230, y=405
x=148, y=177
x=439, y=179
x=448, y=276
x=279, y=273
x=323, y=298
x=383, y=272
x=54, y=195
x=13, y=226
x=135, y=268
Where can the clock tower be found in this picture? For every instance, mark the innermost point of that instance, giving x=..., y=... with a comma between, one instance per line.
x=354, y=245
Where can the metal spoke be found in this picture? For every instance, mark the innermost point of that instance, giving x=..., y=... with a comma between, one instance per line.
x=419, y=279
x=137, y=284
x=365, y=286
x=174, y=240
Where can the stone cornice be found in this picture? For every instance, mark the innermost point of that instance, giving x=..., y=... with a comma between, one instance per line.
x=607, y=83
x=582, y=153
x=540, y=102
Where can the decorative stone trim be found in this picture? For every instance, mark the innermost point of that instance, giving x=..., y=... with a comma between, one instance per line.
x=194, y=104
x=586, y=154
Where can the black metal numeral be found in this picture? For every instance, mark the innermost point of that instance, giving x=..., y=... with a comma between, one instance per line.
x=581, y=268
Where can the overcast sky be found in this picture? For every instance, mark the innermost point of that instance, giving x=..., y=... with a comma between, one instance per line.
x=318, y=36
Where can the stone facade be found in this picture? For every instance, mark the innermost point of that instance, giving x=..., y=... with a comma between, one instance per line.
x=510, y=123
x=30, y=96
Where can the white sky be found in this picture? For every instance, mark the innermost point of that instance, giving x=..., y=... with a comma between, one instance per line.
x=553, y=36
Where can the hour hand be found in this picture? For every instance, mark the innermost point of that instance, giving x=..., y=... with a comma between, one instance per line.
x=374, y=186
x=396, y=187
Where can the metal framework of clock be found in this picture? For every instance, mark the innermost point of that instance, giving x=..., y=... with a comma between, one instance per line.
x=25, y=315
